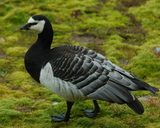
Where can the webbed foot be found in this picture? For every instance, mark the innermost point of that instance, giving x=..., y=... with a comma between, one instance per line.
x=59, y=118
x=94, y=112
x=91, y=113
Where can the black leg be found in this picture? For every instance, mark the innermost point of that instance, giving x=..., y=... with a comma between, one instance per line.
x=61, y=117
x=93, y=113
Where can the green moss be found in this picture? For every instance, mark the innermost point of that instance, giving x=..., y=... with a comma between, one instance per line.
x=2, y=73
x=3, y=91
x=12, y=38
x=41, y=91
x=110, y=44
x=55, y=98
x=143, y=66
x=8, y=114
x=18, y=78
x=16, y=51
x=4, y=9
x=7, y=103
x=24, y=101
x=111, y=123
x=15, y=16
x=85, y=122
x=128, y=51
x=151, y=12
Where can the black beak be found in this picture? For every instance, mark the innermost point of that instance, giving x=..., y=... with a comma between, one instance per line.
x=25, y=27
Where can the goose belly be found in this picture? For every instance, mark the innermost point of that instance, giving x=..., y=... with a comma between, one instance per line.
x=62, y=88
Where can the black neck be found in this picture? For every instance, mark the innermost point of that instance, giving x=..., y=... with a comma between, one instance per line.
x=46, y=36
x=36, y=54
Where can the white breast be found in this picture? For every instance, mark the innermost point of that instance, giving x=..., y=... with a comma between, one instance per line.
x=62, y=88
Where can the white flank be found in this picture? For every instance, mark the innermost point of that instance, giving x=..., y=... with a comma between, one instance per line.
x=62, y=88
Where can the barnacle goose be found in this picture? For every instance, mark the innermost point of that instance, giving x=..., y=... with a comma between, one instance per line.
x=77, y=73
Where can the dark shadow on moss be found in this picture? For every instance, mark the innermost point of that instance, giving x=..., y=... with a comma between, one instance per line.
x=133, y=33
x=2, y=55
x=24, y=109
x=89, y=40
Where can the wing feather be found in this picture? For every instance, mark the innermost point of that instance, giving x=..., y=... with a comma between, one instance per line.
x=94, y=75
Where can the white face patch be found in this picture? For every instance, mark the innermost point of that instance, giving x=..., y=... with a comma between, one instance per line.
x=37, y=27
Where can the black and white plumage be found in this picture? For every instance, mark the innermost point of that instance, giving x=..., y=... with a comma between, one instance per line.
x=77, y=73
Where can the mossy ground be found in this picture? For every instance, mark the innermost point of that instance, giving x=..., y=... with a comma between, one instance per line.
x=125, y=31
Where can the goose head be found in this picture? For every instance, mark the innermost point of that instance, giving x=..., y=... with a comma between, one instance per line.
x=36, y=23
x=43, y=27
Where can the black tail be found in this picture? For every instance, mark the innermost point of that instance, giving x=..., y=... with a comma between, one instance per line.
x=144, y=86
x=136, y=106
x=152, y=90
